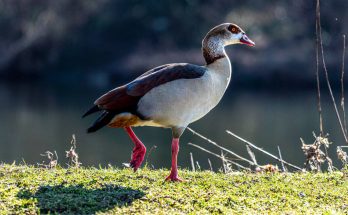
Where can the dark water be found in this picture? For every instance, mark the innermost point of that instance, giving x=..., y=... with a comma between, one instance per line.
x=36, y=118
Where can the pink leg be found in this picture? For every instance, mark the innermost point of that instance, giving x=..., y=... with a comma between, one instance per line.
x=174, y=171
x=139, y=149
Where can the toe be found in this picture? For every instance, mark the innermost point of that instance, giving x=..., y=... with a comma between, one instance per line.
x=174, y=179
x=137, y=159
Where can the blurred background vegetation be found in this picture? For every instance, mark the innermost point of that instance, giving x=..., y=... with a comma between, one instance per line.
x=56, y=57
x=42, y=38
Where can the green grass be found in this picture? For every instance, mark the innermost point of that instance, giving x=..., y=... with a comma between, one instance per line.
x=26, y=189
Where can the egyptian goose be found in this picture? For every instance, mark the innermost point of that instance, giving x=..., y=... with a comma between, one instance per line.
x=171, y=95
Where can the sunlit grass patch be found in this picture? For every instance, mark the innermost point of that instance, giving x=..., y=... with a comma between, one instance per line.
x=27, y=189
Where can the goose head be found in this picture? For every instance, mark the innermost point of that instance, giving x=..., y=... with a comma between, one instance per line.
x=227, y=34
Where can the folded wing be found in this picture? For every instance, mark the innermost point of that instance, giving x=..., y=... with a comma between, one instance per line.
x=125, y=98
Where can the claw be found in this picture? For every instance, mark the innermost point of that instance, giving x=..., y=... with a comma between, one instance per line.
x=174, y=178
x=139, y=151
x=138, y=156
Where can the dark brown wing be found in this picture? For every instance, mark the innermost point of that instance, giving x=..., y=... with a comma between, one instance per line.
x=126, y=97
x=154, y=70
x=112, y=103
x=118, y=99
x=171, y=72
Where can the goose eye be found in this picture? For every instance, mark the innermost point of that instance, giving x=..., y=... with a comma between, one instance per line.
x=233, y=29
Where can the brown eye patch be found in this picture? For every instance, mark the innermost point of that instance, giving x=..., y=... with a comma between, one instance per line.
x=234, y=29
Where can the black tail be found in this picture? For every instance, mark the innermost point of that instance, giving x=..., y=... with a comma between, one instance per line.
x=103, y=120
x=94, y=109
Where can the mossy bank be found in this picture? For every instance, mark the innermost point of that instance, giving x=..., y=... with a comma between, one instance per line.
x=31, y=190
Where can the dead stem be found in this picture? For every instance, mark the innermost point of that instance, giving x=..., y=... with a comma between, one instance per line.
x=198, y=166
x=315, y=157
x=280, y=156
x=210, y=165
x=192, y=162
x=251, y=154
x=224, y=163
x=261, y=150
x=342, y=155
x=53, y=160
x=319, y=37
x=72, y=154
x=342, y=84
x=216, y=155
x=317, y=74
x=223, y=148
x=152, y=149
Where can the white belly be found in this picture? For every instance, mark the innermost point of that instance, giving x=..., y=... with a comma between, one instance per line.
x=183, y=101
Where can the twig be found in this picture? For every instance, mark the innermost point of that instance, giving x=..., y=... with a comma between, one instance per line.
x=223, y=148
x=223, y=162
x=325, y=70
x=198, y=166
x=317, y=75
x=192, y=162
x=72, y=154
x=315, y=156
x=216, y=155
x=280, y=156
x=251, y=154
x=267, y=153
x=150, y=152
x=53, y=161
x=342, y=155
x=342, y=84
x=211, y=166
x=226, y=165
x=326, y=144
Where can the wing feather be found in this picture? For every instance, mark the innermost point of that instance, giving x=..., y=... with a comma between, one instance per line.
x=171, y=72
x=126, y=97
